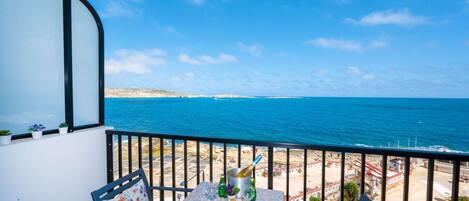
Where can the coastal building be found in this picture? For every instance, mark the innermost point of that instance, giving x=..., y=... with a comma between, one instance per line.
x=396, y=164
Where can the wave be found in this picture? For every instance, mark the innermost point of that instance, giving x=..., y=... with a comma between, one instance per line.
x=433, y=148
x=283, y=97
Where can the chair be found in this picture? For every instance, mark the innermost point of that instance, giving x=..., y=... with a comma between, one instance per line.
x=110, y=191
x=364, y=198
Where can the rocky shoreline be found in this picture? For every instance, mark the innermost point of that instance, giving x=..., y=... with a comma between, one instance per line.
x=157, y=93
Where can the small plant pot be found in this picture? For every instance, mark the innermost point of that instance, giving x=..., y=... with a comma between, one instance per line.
x=5, y=140
x=37, y=134
x=63, y=130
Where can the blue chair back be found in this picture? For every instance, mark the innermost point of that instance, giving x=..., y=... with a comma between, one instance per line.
x=117, y=187
x=364, y=198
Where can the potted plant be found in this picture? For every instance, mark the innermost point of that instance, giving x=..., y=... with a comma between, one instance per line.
x=63, y=128
x=5, y=137
x=36, y=130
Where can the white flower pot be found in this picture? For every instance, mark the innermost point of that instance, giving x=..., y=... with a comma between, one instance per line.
x=5, y=139
x=63, y=130
x=37, y=134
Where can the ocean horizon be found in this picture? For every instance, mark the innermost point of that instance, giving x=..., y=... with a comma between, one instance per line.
x=433, y=124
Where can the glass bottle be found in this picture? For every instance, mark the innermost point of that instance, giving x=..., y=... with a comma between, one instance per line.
x=222, y=187
x=247, y=171
x=251, y=191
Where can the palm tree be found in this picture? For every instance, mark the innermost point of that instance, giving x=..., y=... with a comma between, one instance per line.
x=351, y=191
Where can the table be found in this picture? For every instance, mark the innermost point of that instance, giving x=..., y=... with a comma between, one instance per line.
x=262, y=194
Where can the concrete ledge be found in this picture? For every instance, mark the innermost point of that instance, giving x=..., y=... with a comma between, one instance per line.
x=56, y=167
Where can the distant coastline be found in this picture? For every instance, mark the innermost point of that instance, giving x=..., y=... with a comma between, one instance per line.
x=158, y=93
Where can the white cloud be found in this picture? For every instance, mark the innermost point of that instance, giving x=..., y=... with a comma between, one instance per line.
x=172, y=31
x=184, y=58
x=320, y=73
x=135, y=61
x=206, y=59
x=189, y=75
x=377, y=44
x=368, y=77
x=120, y=8
x=281, y=54
x=254, y=50
x=401, y=18
x=354, y=71
x=181, y=79
x=198, y=2
x=345, y=45
x=357, y=72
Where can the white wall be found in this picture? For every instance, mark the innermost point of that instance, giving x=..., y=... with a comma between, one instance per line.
x=54, y=168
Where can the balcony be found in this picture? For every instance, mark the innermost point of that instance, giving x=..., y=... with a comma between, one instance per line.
x=177, y=163
x=68, y=51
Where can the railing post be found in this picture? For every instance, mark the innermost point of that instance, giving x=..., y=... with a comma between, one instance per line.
x=140, y=162
x=109, y=158
x=239, y=155
x=406, y=178
x=270, y=168
x=323, y=176
x=455, y=188
x=342, y=175
x=129, y=152
x=198, y=162
x=150, y=156
x=253, y=157
x=211, y=161
x=224, y=160
x=185, y=167
x=161, y=168
x=305, y=173
x=384, y=177
x=430, y=166
x=173, y=166
x=363, y=173
x=119, y=153
x=288, y=174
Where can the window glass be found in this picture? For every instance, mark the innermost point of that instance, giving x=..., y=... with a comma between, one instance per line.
x=31, y=65
x=85, y=51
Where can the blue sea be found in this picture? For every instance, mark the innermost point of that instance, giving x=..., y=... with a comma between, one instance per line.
x=378, y=122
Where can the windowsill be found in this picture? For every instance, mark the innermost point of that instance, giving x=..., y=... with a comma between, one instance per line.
x=54, y=136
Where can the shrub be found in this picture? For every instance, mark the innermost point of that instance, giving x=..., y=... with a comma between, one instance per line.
x=314, y=198
x=351, y=191
x=463, y=198
x=5, y=133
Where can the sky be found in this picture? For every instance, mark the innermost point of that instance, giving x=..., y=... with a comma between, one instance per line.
x=343, y=48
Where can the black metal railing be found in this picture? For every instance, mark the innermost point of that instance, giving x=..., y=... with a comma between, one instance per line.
x=115, y=147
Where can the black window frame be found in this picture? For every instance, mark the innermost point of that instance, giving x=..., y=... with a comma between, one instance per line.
x=68, y=70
